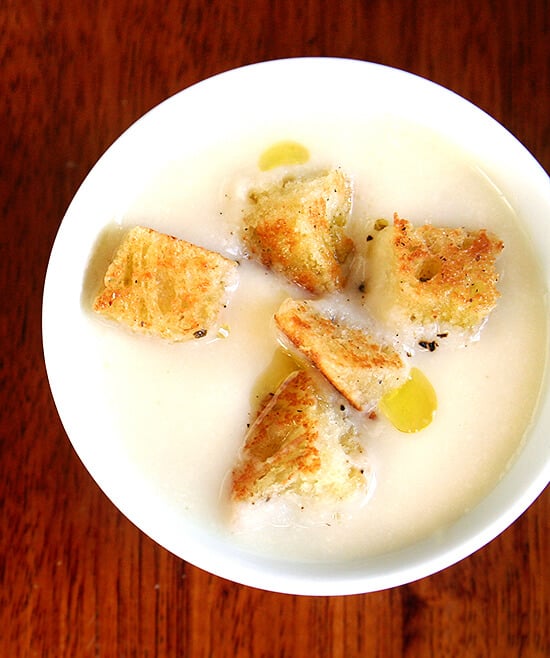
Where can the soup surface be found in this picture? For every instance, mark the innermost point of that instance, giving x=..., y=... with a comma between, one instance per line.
x=182, y=409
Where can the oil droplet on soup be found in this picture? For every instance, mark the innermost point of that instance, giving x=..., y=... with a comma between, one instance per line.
x=271, y=378
x=283, y=153
x=411, y=407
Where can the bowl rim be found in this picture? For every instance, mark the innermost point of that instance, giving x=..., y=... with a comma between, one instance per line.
x=529, y=473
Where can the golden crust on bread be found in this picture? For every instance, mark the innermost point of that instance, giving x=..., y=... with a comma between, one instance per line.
x=356, y=364
x=429, y=275
x=160, y=285
x=296, y=228
x=301, y=444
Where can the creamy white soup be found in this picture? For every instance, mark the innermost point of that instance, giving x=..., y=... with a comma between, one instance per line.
x=183, y=409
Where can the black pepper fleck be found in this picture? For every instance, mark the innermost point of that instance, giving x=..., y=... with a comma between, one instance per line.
x=430, y=345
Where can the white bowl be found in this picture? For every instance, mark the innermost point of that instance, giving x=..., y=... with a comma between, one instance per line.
x=191, y=122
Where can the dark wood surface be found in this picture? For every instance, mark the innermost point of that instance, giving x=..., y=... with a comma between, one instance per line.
x=76, y=578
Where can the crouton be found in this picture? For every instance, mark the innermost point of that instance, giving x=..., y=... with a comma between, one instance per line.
x=296, y=228
x=159, y=285
x=301, y=448
x=356, y=364
x=440, y=279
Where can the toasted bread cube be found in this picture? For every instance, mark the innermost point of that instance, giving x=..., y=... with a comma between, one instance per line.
x=301, y=447
x=160, y=285
x=438, y=278
x=356, y=364
x=296, y=228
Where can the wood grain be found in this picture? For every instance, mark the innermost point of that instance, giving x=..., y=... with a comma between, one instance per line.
x=77, y=579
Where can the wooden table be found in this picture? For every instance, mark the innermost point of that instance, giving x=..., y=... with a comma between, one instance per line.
x=76, y=578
